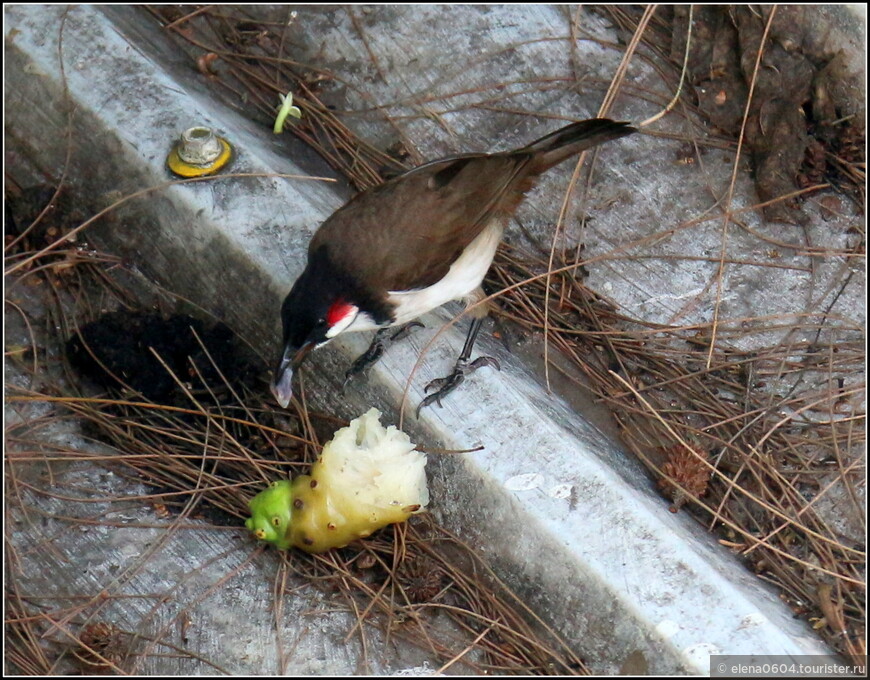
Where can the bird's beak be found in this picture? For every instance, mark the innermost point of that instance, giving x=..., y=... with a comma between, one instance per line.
x=282, y=383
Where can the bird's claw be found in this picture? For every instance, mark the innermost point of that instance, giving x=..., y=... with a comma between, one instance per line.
x=364, y=361
x=485, y=361
x=445, y=386
x=376, y=350
x=405, y=330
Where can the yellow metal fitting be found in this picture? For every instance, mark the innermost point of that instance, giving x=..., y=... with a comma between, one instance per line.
x=200, y=152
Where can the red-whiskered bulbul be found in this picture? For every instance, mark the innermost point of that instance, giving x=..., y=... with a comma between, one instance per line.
x=414, y=243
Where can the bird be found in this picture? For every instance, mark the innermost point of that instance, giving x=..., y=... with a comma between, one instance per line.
x=409, y=245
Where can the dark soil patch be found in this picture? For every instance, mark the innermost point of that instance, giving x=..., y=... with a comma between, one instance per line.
x=162, y=358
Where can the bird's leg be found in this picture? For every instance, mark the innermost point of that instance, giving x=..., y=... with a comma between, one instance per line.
x=382, y=338
x=445, y=386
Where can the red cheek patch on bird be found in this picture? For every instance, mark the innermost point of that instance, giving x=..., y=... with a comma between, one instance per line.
x=338, y=312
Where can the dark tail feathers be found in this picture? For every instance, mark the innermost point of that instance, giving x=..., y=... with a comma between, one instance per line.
x=572, y=139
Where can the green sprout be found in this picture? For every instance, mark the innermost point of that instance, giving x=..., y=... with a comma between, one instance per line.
x=285, y=109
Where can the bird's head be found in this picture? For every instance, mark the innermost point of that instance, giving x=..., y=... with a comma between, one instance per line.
x=311, y=316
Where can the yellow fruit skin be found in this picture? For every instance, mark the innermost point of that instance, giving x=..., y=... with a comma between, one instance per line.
x=324, y=520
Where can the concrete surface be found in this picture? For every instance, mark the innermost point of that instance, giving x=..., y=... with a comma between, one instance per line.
x=565, y=517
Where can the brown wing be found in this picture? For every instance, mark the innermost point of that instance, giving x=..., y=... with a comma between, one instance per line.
x=406, y=233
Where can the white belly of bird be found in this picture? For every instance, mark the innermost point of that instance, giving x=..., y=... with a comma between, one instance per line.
x=464, y=276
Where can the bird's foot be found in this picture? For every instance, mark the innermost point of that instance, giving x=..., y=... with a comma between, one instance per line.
x=405, y=330
x=379, y=345
x=445, y=386
x=365, y=360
